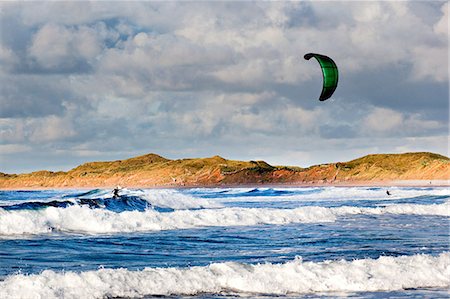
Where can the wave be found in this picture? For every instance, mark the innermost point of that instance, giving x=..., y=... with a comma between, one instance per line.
x=408, y=209
x=173, y=199
x=129, y=200
x=201, y=198
x=164, y=198
x=81, y=219
x=123, y=203
x=77, y=219
x=95, y=192
x=18, y=196
x=332, y=194
x=252, y=192
x=231, y=278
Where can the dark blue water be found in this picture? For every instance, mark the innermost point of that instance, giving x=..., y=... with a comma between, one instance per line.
x=345, y=237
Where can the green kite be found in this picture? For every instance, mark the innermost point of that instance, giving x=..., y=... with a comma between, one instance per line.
x=329, y=72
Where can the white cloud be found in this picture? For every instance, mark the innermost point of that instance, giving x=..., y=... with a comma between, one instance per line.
x=441, y=27
x=51, y=128
x=11, y=131
x=14, y=148
x=7, y=58
x=438, y=144
x=417, y=124
x=387, y=122
x=383, y=120
x=55, y=46
x=431, y=64
x=369, y=13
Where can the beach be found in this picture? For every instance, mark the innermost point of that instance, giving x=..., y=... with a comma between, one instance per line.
x=390, y=183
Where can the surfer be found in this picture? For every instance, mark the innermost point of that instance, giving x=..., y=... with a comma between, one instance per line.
x=116, y=192
x=388, y=193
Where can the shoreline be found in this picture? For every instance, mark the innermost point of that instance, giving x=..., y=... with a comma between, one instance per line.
x=391, y=183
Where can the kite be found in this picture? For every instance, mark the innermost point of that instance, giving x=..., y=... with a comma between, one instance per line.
x=329, y=72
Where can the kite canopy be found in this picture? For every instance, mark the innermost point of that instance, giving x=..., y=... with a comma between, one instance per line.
x=330, y=74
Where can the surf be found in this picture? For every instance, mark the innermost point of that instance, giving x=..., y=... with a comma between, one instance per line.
x=231, y=278
x=85, y=220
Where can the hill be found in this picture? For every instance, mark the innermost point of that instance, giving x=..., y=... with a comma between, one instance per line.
x=155, y=171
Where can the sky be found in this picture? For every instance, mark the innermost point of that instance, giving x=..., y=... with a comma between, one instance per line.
x=98, y=81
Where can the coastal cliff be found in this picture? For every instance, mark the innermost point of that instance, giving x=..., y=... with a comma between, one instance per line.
x=155, y=171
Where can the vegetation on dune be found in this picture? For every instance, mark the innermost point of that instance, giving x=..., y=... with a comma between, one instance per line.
x=111, y=167
x=154, y=170
x=396, y=161
x=394, y=166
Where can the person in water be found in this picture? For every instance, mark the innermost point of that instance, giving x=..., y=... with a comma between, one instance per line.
x=388, y=193
x=116, y=192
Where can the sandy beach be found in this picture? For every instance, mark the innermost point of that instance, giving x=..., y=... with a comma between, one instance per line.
x=393, y=183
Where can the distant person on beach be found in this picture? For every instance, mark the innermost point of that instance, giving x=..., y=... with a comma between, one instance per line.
x=116, y=192
x=388, y=193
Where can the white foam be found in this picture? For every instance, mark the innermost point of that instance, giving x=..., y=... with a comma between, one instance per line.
x=295, y=277
x=364, y=193
x=408, y=209
x=165, y=198
x=173, y=199
x=340, y=194
x=81, y=219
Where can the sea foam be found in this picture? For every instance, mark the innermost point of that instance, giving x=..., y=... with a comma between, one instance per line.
x=173, y=199
x=329, y=193
x=78, y=219
x=295, y=277
x=81, y=219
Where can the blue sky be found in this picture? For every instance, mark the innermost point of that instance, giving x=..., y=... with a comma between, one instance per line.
x=87, y=81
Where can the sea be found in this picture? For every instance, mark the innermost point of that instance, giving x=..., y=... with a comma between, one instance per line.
x=262, y=242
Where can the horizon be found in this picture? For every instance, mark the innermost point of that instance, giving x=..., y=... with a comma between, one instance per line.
x=91, y=81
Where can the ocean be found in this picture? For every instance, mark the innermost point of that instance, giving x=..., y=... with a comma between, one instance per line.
x=312, y=242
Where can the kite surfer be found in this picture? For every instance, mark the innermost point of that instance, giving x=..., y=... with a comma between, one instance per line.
x=116, y=192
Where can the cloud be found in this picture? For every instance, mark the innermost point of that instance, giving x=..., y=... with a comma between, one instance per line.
x=14, y=148
x=11, y=132
x=38, y=130
x=51, y=128
x=32, y=96
x=56, y=47
x=441, y=27
x=386, y=122
x=116, y=79
x=383, y=120
x=7, y=58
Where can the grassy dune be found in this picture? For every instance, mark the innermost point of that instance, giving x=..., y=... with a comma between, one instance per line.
x=155, y=171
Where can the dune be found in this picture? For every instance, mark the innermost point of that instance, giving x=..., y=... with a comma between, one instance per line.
x=151, y=170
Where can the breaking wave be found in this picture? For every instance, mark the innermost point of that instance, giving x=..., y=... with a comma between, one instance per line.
x=162, y=200
x=169, y=198
x=82, y=219
x=321, y=193
x=78, y=219
x=231, y=278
